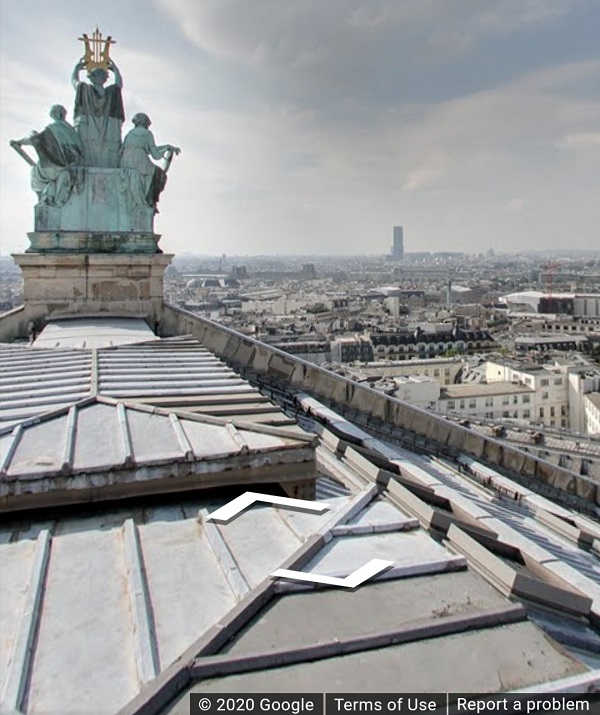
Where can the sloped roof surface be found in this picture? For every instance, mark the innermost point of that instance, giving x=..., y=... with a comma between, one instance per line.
x=174, y=373
x=101, y=605
x=93, y=332
x=102, y=444
x=140, y=586
x=99, y=434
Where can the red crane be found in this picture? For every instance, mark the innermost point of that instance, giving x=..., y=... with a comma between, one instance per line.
x=550, y=269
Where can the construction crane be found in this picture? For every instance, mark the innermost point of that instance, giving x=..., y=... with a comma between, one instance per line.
x=550, y=270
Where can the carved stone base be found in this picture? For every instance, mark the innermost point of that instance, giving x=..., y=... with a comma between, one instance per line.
x=90, y=283
x=101, y=206
x=92, y=241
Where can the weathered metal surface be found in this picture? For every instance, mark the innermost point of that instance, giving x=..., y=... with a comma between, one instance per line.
x=179, y=374
x=100, y=447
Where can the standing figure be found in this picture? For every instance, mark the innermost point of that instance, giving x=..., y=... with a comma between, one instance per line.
x=99, y=115
x=141, y=179
x=59, y=169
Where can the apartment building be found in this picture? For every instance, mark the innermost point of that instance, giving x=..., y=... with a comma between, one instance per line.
x=591, y=404
x=583, y=382
x=351, y=349
x=550, y=387
x=406, y=345
x=493, y=401
x=443, y=370
x=418, y=390
x=564, y=324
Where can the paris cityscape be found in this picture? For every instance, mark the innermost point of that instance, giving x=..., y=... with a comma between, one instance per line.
x=448, y=313
x=300, y=413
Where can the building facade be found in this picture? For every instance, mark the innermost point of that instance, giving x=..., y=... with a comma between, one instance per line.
x=422, y=344
x=550, y=387
x=494, y=401
x=398, y=244
x=592, y=413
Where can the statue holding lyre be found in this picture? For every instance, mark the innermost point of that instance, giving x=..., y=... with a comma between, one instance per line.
x=90, y=184
x=96, y=56
x=99, y=111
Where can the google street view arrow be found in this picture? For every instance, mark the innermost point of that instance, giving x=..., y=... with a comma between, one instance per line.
x=362, y=574
x=226, y=513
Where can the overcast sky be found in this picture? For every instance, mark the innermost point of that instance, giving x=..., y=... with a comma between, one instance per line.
x=314, y=126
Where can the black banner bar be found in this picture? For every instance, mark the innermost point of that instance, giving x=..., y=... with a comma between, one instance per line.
x=397, y=703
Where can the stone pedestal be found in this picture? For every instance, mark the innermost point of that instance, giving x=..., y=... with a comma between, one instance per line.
x=94, y=254
x=101, y=206
x=92, y=242
x=93, y=283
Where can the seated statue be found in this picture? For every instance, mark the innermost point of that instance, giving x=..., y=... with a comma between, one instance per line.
x=99, y=115
x=59, y=169
x=141, y=179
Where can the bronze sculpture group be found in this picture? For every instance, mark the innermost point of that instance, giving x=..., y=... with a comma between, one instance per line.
x=64, y=151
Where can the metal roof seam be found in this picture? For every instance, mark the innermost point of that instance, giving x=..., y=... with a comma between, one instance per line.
x=125, y=433
x=70, y=432
x=50, y=414
x=147, y=656
x=220, y=665
x=173, y=679
x=224, y=556
x=237, y=437
x=19, y=667
x=181, y=437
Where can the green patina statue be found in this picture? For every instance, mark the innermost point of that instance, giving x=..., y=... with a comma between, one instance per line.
x=99, y=114
x=91, y=184
x=141, y=179
x=59, y=169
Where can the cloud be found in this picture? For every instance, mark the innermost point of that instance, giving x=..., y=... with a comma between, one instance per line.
x=320, y=125
x=427, y=175
x=516, y=15
x=382, y=52
x=515, y=205
x=581, y=140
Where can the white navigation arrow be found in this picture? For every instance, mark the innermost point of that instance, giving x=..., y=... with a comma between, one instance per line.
x=236, y=506
x=362, y=574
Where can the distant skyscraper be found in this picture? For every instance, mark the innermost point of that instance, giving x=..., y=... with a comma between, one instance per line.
x=397, y=253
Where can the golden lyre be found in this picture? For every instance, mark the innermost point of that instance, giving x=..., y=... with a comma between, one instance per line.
x=97, y=50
